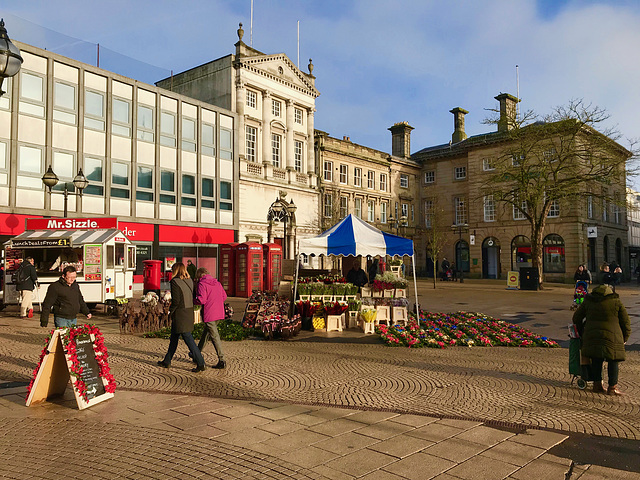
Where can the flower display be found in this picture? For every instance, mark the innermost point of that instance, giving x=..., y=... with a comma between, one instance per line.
x=440, y=330
x=368, y=314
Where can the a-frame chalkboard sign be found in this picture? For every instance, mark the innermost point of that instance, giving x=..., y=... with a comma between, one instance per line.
x=57, y=367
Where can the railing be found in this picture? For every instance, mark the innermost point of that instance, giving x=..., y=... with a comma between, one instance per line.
x=279, y=174
x=254, y=168
x=302, y=178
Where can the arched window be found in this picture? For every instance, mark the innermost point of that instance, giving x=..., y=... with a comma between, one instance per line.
x=619, y=251
x=462, y=256
x=553, y=254
x=520, y=252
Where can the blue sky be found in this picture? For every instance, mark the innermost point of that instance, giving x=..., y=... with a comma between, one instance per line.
x=377, y=62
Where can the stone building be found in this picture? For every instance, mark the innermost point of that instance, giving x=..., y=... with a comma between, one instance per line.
x=275, y=104
x=486, y=239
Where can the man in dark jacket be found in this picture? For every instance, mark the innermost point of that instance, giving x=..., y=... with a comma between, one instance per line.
x=66, y=299
x=356, y=275
x=28, y=279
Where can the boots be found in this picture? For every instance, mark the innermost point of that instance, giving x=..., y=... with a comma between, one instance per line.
x=597, y=387
x=612, y=390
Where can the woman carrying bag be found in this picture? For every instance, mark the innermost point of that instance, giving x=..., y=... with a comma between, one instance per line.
x=181, y=315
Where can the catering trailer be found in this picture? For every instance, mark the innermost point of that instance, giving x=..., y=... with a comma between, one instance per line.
x=103, y=256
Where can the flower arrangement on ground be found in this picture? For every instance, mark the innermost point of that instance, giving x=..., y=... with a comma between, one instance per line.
x=439, y=330
x=368, y=314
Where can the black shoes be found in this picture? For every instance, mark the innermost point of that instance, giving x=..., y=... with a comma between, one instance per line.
x=221, y=364
x=199, y=368
x=162, y=364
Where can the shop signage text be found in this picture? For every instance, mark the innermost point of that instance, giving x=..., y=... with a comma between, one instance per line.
x=40, y=242
x=71, y=223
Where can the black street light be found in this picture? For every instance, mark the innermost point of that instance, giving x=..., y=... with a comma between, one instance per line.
x=50, y=179
x=397, y=223
x=10, y=59
x=460, y=228
x=281, y=211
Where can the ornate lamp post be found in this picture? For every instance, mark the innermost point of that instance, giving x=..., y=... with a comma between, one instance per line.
x=281, y=211
x=10, y=59
x=397, y=223
x=50, y=179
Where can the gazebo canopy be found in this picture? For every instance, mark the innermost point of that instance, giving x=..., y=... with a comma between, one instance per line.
x=353, y=236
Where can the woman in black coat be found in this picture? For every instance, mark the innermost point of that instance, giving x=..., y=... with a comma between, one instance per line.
x=181, y=314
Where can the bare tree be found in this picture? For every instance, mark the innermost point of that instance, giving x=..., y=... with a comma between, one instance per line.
x=548, y=163
x=437, y=230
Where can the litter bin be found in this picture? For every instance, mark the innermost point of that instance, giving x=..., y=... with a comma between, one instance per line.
x=152, y=275
x=529, y=278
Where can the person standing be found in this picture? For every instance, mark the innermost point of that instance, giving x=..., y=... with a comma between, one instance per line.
x=66, y=299
x=211, y=295
x=604, y=334
x=356, y=275
x=181, y=315
x=27, y=282
x=191, y=269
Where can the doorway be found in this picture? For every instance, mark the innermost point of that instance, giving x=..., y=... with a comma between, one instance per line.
x=490, y=258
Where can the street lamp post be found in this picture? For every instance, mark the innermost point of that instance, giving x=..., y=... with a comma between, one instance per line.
x=397, y=223
x=10, y=59
x=50, y=179
x=459, y=228
x=282, y=211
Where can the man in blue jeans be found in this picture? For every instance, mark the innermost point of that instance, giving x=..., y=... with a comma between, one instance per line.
x=66, y=299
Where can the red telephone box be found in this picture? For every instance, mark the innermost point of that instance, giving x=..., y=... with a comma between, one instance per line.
x=272, y=266
x=228, y=268
x=248, y=268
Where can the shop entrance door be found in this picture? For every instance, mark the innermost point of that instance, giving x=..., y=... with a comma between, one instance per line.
x=490, y=258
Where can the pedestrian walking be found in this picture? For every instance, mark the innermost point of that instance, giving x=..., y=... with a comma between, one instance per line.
x=191, y=269
x=582, y=274
x=181, y=315
x=27, y=281
x=604, y=334
x=66, y=299
x=211, y=295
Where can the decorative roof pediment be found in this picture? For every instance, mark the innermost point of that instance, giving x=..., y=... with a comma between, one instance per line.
x=280, y=68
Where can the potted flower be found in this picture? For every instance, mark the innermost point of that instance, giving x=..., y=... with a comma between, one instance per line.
x=368, y=315
x=317, y=291
x=304, y=291
x=339, y=291
x=327, y=294
x=400, y=285
x=351, y=291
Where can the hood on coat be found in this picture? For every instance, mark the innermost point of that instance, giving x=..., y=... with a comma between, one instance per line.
x=602, y=292
x=208, y=280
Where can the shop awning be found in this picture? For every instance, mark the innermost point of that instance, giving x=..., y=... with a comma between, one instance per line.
x=62, y=238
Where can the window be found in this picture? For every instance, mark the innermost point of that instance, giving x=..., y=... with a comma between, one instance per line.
x=383, y=182
x=461, y=210
x=188, y=197
x=251, y=143
x=428, y=213
x=343, y=174
x=5, y=100
x=357, y=177
x=120, y=180
x=487, y=165
x=188, y=134
x=554, y=211
x=371, y=211
x=489, y=209
x=120, y=117
x=167, y=187
x=298, y=156
x=275, y=108
x=516, y=160
x=145, y=123
x=208, y=141
x=208, y=197
x=167, y=129
x=251, y=99
x=371, y=179
x=64, y=103
x=328, y=171
x=617, y=218
x=297, y=116
x=94, y=110
x=429, y=177
x=276, y=141
x=553, y=254
x=357, y=207
x=344, y=207
x=64, y=164
x=460, y=173
x=605, y=211
x=226, y=196
x=519, y=213
x=4, y=177
x=31, y=94
x=396, y=213
x=405, y=210
x=144, y=192
x=383, y=212
x=413, y=214
x=328, y=205
x=30, y=167
x=226, y=144
x=550, y=155
x=404, y=180
x=93, y=172
x=589, y=206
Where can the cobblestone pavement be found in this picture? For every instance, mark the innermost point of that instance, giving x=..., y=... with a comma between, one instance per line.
x=320, y=407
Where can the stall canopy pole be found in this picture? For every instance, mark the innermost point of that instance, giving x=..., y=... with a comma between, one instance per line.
x=295, y=285
x=415, y=284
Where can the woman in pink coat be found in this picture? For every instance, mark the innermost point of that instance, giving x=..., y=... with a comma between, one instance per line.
x=210, y=294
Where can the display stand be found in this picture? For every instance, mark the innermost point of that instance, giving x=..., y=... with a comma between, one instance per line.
x=368, y=327
x=334, y=322
x=353, y=318
x=377, y=293
x=365, y=292
x=383, y=315
x=388, y=293
x=401, y=293
x=400, y=315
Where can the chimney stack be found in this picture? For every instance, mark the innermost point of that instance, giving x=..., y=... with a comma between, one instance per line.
x=458, y=125
x=508, y=111
x=401, y=139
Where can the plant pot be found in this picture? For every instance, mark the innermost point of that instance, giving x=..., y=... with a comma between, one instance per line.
x=316, y=298
x=389, y=293
x=365, y=292
x=350, y=297
x=377, y=293
x=304, y=298
x=401, y=293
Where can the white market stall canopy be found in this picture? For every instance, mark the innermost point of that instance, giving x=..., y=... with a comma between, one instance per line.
x=353, y=236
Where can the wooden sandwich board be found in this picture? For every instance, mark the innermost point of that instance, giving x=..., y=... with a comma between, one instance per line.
x=53, y=375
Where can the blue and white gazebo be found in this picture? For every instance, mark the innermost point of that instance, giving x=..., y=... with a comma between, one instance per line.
x=352, y=237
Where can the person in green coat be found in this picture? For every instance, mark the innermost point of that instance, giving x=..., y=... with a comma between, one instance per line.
x=604, y=334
